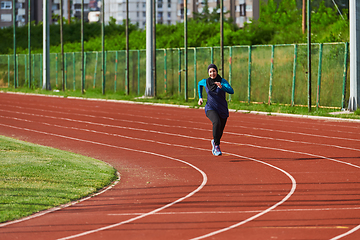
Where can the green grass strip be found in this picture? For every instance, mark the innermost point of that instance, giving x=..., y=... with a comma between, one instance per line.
x=34, y=178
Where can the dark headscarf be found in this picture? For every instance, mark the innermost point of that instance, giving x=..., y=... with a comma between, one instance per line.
x=210, y=83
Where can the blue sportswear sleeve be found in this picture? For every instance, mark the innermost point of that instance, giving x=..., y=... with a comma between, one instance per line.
x=201, y=84
x=226, y=87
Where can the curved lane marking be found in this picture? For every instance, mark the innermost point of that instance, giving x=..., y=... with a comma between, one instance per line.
x=241, y=212
x=293, y=187
x=203, y=183
x=346, y=233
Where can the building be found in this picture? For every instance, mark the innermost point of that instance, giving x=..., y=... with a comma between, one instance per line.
x=36, y=11
x=240, y=11
x=21, y=11
x=6, y=13
x=166, y=11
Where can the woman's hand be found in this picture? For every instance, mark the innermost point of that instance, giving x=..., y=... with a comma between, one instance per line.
x=200, y=102
x=218, y=84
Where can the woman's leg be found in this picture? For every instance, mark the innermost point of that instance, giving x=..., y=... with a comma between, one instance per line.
x=218, y=125
x=222, y=127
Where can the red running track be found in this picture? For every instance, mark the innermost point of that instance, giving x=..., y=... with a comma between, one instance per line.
x=279, y=177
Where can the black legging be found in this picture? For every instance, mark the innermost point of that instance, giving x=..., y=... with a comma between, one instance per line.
x=218, y=125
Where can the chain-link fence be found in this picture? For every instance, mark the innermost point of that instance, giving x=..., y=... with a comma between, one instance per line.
x=262, y=73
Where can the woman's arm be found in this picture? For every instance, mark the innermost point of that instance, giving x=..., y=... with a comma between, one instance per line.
x=201, y=84
x=226, y=87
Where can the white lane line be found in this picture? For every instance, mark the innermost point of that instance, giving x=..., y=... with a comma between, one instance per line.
x=63, y=206
x=241, y=212
x=301, y=133
x=293, y=141
x=346, y=233
x=203, y=183
x=291, y=151
x=293, y=187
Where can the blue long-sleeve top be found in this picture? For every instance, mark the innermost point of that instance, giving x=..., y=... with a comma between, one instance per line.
x=216, y=99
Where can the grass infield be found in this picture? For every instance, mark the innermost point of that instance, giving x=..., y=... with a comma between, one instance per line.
x=34, y=178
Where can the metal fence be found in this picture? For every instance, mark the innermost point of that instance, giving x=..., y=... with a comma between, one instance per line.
x=259, y=73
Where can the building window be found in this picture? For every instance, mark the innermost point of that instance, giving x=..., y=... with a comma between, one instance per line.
x=19, y=5
x=6, y=17
x=144, y=14
x=169, y=15
x=243, y=9
x=6, y=5
x=249, y=8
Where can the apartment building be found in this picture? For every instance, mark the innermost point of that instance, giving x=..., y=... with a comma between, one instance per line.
x=240, y=11
x=6, y=13
x=166, y=11
x=21, y=11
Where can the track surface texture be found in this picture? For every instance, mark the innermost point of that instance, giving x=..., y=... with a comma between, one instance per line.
x=278, y=177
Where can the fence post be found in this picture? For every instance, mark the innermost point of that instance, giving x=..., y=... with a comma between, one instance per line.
x=25, y=65
x=14, y=39
x=56, y=68
x=294, y=76
x=17, y=72
x=105, y=57
x=249, y=75
x=116, y=61
x=179, y=63
x=212, y=54
x=230, y=68
x=8, y=71
x=195, y=72
x=41, y=68
x=127, y=80
x=33, y=72
x=96, y=63
x=345, y=74
x=271, y=73
x=74, y=78
x=165, y=71
x=84, y=72
x=319, y=77
x=65, y=69
x=138, y=90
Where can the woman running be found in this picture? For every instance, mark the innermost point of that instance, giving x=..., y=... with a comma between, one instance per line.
x=216, y=108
